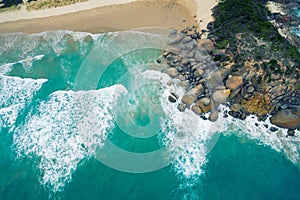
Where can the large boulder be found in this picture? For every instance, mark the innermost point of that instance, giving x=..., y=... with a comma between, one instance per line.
x=233, y=82
x=190, y=97
x=220, y=96
x=287, y=118
x=207, y=44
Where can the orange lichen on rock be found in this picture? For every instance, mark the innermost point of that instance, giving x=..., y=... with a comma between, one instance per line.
x=259, y=104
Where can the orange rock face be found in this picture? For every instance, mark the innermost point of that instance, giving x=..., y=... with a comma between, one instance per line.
x=234, y=82
x=259, y=104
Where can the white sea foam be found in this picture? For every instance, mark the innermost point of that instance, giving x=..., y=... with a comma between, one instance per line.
x=256, y=130
x=185, y=134
x=5, y=69
x=65, y=129
x=15, y=93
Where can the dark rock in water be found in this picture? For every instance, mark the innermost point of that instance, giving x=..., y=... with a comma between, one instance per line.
x=158, y=60
x=266, y=125
x=243, y=116
x=169, y=56
x=291, y=132
x=234, y=114
x=273, y=129
x=172, y=98
x=287, y=118
x=175, y=95
x=213, y=116
x=262, y=118
x=203, y=117
x=181, y=107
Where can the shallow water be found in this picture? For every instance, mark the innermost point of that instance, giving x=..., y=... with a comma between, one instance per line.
x=87, y=117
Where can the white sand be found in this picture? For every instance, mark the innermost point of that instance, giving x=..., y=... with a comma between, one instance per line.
x=110, y=15
x=90, y=4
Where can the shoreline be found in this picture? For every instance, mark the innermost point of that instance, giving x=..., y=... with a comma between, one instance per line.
x=106, y=16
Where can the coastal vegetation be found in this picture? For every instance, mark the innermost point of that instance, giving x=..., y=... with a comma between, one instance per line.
x=251, y=68
x=44, y=4
x=248, y=20
x=7, y=5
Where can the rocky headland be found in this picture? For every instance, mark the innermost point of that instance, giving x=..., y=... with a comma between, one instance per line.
x=240, y=61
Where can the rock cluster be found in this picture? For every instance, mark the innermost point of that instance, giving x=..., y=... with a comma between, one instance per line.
x=209, y=76
x=189, y=60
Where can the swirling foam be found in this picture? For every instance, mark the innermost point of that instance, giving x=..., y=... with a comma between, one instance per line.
x=184, y=134
x=15, y=94
x=65, y=129
x=256, y=130
x=5, y=69
x=187, y=136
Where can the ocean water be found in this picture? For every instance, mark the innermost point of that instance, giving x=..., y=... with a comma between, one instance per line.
x=87, y=116
x=296, y=30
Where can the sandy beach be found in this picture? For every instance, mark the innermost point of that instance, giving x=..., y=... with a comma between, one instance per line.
x=102, y=16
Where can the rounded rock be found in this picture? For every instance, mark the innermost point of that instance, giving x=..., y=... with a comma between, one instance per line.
x=220, y=96
x=172, y=99
x=233, y=82
x=213, y=116
x=197, y=110
x=172, y=72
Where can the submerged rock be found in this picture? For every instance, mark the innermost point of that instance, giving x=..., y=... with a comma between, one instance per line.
x=291, y=132
x=172, y=98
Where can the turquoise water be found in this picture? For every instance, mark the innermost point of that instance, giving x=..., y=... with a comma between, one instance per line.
x=296, y=30
x=87, y=117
